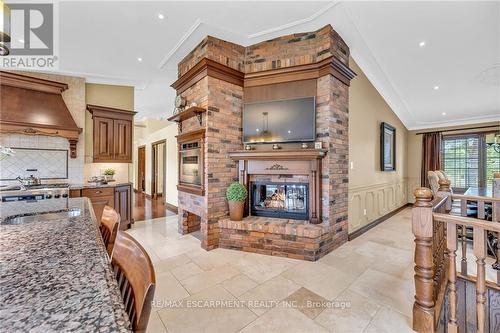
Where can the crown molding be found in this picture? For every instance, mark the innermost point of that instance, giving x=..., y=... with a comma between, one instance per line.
x=460, y=122
x=179, y=44
x=294, y=23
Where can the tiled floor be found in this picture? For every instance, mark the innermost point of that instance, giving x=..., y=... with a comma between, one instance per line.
x=364, y=286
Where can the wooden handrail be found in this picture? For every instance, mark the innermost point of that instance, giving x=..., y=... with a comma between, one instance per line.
x=474, y=198
x=467, y=221
x=436, y=237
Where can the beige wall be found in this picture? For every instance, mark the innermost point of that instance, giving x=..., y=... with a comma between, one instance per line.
x=120, y=97
x=147, y=132
x=415, y=150
x=372, y=193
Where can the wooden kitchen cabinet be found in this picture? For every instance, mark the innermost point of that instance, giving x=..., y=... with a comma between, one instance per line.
x=112, y=138
x=118, y=197
x=123, y=205
x=100, y=197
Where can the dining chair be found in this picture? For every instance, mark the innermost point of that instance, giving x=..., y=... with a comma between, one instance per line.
x=135, y=275
x=109, y=227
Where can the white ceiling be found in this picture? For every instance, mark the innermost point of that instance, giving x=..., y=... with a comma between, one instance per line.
x=102, y=41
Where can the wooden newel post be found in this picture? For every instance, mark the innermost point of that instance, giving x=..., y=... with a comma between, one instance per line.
x=422, y=227
x=445, y=191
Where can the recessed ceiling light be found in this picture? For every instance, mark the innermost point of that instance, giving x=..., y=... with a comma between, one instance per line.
x=21, y=41
x=444, y=113
x=161, y=16
x=421, y=44
x=139, y=59
x=436, y=87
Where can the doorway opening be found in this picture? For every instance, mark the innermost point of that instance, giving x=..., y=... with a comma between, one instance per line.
x=158, y=168
x=141, y=169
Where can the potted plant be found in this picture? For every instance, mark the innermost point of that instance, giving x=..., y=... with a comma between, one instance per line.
x=109, y=173
x=236, y=195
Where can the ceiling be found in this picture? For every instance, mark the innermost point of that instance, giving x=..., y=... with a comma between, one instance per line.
x=103, y=40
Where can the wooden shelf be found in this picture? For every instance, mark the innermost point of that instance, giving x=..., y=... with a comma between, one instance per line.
x=281, y=154
x=188, y=113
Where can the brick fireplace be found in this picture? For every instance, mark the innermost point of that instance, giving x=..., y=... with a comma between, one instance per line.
x=298, y=197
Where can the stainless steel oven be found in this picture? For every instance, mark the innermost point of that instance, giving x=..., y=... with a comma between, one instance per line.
x=191, y=163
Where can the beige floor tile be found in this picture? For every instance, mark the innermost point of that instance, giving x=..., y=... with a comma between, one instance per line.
x=273, y=290
x=207, y=319
x=324, y=280
x=389, y=321
x=168, y=288
x=261, y=267
x=307, y=302
x=171, y=263
x=172, y=248
x=215, y=258
x=239, y=284
x=207, y=279
x=185, y=271
x=386, y=289
x=155, y=325
x=279, y=320
x=351, y=314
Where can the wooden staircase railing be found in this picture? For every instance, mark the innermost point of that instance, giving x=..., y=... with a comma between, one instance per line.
x=436, y=239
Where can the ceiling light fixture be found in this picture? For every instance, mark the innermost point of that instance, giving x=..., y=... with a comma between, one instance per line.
x=139, y=59
x=444, y=113
x=161, y=16
x=421, y=44
x=436, y=87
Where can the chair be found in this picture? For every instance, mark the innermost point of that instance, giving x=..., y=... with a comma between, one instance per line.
x=109, y=227
x=433, y=178
x=136, y=279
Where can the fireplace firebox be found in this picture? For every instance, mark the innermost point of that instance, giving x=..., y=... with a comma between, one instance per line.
x=280, y=200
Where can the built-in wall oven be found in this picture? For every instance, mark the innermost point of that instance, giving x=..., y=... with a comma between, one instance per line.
x=191, y=168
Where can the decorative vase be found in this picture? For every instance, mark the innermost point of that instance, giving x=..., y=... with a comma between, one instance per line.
x=236, y=210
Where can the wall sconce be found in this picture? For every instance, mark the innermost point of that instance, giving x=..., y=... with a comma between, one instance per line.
x=4, y=28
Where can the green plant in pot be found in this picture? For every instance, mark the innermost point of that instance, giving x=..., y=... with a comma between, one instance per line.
x=236, y=195
x=109, y=173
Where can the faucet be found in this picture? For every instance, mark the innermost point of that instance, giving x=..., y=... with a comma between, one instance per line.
x=21, y=181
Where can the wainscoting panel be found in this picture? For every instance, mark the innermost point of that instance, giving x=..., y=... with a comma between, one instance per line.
x=413, y=184
x=368, y=203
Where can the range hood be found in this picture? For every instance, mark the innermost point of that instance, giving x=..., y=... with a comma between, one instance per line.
x=35, y=106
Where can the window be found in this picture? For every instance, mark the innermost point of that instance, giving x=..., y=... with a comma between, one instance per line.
x=492, y=158
x=461, y=160
x=469, y=160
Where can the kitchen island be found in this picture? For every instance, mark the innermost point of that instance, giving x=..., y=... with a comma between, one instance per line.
x=55, y=272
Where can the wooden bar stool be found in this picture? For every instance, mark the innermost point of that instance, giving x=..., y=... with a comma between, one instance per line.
x=136, y=279
x=109, y=227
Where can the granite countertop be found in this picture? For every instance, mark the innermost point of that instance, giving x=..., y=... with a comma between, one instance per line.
x=55, y=272
x=94, y=185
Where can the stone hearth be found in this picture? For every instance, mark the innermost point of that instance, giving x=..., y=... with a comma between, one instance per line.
x=278, y=237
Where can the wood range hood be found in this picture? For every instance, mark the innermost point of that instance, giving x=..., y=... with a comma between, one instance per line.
x=34, y=106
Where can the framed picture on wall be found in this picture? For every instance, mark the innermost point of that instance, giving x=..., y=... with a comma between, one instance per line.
x=387, y=147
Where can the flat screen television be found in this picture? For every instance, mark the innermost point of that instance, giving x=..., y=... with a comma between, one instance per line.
x=291, y=120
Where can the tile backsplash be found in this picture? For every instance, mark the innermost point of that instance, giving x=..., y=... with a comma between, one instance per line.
x=44, y=164
x=50, y=155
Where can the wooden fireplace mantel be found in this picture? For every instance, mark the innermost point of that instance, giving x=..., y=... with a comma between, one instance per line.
x=281, y=154
x=270, y=162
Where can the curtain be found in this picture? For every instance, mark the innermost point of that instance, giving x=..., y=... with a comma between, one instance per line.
x=431, y=155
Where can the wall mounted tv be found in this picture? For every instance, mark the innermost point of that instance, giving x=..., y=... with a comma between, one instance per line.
x=291, y=120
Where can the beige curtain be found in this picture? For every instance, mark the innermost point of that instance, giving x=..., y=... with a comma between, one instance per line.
x=431, y=155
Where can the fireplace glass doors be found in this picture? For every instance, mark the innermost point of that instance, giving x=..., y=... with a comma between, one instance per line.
x=280, y=200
